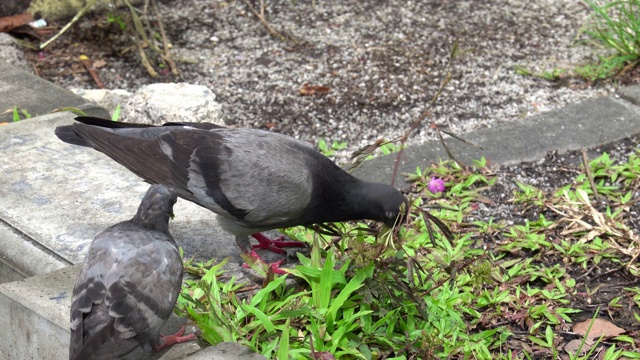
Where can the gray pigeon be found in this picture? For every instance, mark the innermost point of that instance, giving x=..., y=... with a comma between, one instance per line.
x=128, y=284
x=254, y=180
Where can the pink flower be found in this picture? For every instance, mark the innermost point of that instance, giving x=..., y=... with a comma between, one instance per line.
x=436, y=185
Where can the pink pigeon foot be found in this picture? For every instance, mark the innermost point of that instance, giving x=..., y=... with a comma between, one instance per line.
x=168, y=340
x=275, y=266
x=275, y=245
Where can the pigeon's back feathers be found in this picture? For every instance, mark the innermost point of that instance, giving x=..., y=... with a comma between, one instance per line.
x=128, y=284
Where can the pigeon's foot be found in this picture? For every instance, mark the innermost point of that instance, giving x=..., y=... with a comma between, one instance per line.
x=275, y=266
x=168, y=340
x=274, y=245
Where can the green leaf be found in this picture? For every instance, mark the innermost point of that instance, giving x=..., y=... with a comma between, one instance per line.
x=283, y=345
x=354, y=284
x=116, y=113
x=263, y=319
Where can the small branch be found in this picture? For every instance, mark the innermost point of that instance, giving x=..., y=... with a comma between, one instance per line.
x=165, y=44
x=264, y=22
x=145, y=61
x=88, y=64
x=396, y=165
x=587, y=170
x=80, y=13
x=446, y=148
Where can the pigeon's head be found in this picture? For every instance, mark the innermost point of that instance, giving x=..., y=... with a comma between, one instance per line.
x=389, y=205
x=157, y=207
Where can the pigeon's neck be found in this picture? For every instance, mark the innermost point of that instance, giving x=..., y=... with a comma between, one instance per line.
x=362, y=201
x=158, y=223
x=342, y=198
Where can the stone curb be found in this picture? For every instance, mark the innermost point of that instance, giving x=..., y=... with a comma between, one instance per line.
x=588, y=124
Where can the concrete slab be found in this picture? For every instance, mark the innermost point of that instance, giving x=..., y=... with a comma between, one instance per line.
x=8, y=273
x=21, y=257
x=226, y=351
x=37, y=96
x=589, y=124
x=30, y=309
x=62, y=195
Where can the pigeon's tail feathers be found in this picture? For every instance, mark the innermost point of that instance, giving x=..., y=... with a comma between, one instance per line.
x=104, y=123
x=68, y=135
x=105, y=344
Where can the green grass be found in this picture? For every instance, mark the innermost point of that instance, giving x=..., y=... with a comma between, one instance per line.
x=615, y=27
x=492, y=290
x=329, y=148
x=613, y=30
x=18, y=112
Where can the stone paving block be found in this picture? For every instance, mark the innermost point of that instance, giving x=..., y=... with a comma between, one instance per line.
x=21, y=257
x=36, y=311
x=21, y=89
x=34, y=317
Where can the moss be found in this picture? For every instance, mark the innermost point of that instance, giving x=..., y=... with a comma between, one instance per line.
x=56, y=9
x=63, y=9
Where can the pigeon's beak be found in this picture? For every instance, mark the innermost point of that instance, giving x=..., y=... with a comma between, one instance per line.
x=397, y=221
x=390, y=223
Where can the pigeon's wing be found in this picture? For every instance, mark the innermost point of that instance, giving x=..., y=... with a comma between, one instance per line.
x=126, y=290
x=259, y=178
x=256, y=177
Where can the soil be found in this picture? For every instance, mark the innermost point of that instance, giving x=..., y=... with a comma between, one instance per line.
x=597, y=286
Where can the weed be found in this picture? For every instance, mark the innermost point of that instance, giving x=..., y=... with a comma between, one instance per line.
x=615, y=27
x=493, y=291
x=329, y=150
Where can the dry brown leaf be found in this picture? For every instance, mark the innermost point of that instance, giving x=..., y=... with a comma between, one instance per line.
x=572, y=346
x=600, y=327
x=485, y=200
x=324, y=355
x=11, y=22
x=99, y=63
x=314, y=90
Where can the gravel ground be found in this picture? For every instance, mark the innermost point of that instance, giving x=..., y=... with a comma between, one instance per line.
x=382, y=60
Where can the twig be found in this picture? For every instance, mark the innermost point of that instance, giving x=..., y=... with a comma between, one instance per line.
x=80, y=13
x=446, y=80
x=87, y=63
x=140, y=39
x=264, y=22
x=417, y=124
x=145, y=61
x=396, y=165
x=446, y=148
x=587, y=273
x=165, y=44
x=587, y=170
x=464, y=141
